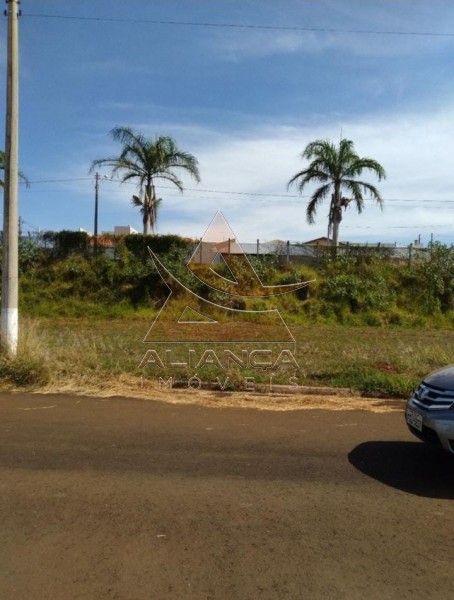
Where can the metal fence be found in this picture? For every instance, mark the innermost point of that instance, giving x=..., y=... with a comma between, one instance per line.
x=287, y=252
x=298, y=253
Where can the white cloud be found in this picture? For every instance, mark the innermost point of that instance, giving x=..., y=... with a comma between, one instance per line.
x=415, y=149
x=342, y=26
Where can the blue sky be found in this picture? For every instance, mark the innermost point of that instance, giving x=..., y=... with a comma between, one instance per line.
x=245, y=101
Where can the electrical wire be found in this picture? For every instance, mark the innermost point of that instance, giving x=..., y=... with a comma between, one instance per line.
x=240, y=26
x=252, y=27
x=225, y=192
x=57, y=180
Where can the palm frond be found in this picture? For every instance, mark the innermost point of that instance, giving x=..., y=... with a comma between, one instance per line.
x=143, y=160
x=358, y=188
x=318, y=196
x=310, y=175
x=137, y=202
x=172, y=178
x=336, y=168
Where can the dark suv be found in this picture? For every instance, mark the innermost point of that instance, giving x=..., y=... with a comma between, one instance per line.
x=430, y=410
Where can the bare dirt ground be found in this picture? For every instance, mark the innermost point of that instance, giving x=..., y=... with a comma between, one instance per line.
x=277, y=400
x=114, y=498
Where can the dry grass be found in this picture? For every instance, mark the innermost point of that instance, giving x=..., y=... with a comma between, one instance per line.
x=102, y=357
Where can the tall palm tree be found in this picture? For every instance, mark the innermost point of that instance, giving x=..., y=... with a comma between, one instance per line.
x=144, y=160
x=22, y=177
x=336, y=168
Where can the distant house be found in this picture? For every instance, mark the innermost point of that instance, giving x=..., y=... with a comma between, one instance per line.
x=321, y=241
x=124, y=230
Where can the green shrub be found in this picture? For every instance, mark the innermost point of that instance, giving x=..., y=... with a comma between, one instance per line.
x=363, y=289
x=23, y=371
x=65, y=243
x=138, y=244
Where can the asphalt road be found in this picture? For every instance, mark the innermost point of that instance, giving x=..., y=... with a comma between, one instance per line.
x=131, y=500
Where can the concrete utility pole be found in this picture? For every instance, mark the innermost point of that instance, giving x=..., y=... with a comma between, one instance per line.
x=96, y=210
x=10, y=275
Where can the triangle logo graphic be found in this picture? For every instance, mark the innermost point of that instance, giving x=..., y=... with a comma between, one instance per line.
x=189, y=315
x=226, y=271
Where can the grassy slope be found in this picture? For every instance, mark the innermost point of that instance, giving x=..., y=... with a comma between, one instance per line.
x=365, y=323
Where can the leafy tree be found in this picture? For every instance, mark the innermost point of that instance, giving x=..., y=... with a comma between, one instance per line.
x=336, y=168
x=437, y=274
x=2, y=168
x=144, y=160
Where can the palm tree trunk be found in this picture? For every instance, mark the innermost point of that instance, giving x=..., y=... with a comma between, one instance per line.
x=148, y=210
x=336, y=224
x=146, y=222
x=150, y=200
x=336, y=215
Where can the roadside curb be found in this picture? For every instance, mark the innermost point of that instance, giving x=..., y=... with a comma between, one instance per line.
x=304, y=389
x=292, y=390
x=261, y=388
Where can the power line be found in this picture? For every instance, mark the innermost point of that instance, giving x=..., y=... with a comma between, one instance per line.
x=226, y=192
x=415, y=226
x=59, y=180
x=240, y=26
